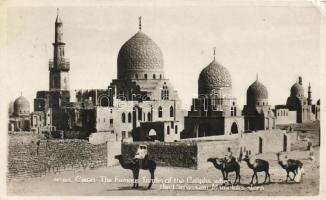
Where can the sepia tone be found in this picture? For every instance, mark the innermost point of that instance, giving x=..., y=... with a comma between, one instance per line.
x=135, y=135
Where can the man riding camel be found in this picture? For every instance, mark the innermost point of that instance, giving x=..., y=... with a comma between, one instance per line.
x=141, y=155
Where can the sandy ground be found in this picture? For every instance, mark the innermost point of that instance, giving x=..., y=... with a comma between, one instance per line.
x=117, y=181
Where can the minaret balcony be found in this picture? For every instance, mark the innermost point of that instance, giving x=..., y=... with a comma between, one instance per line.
x=63, y=65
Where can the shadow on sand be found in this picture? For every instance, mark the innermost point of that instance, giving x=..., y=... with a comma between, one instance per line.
x=128, y=188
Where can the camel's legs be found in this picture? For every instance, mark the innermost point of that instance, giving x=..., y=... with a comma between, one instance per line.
x=256, y=178
x=236, y=178
x=252, y=178
x=152, y=178
x=269, y=177
x=287, y=176
x=266, y=172
x=294, y=176
x=136, y=178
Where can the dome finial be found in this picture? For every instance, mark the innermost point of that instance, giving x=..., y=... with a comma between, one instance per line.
x=214, y=53
x=139, y=18
x=257, y=76
x=57, y=11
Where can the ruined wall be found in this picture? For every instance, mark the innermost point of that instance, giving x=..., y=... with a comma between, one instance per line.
x=33, y=158
x=174, y=154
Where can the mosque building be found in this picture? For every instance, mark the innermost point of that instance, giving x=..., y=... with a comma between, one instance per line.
x=141, y=104
x=214, y=112
x=298, y=108
x=257, y=113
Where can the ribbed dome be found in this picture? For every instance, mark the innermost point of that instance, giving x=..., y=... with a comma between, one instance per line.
x=21, y=106
x=214, y=76
x=256, y=92
x=297, y=90
x=139, y=55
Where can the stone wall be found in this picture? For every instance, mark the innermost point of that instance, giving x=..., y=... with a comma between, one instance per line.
x=209, y=149
x=194, y=153
x=39, y=157
x=173, y=154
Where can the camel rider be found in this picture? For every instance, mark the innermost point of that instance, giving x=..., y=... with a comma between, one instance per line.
x=228, y=155
x=141, y=155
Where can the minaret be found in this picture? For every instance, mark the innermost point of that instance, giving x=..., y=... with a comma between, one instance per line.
x=59, y=66
x=309, y=95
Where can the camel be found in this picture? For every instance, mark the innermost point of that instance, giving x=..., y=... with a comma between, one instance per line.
x=290, y=166
x=227, y=167
x=134, y=166
x=259, y=165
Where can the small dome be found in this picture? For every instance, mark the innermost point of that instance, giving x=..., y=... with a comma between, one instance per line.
x=21, y=106
x=214, y=76
x=297, y=90
x=138, y=56
x=256, y=92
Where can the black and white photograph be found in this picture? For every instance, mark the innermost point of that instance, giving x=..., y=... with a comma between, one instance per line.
x=153, y=98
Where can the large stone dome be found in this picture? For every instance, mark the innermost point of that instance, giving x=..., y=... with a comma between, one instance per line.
x=21, y=106
x=257, y=92
x=140, y=58
x=213, y=77
x=297, y=90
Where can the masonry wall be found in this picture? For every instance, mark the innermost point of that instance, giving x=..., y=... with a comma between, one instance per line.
x=36, y=157
x=173, y=154
x=284, y=116
x=215, y=149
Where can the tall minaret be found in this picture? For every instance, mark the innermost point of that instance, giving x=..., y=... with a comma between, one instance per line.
x=59, y=66
x=309, y=95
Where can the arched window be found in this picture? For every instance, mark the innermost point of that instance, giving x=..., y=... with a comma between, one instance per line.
x=160, y=112
x=123, y=117
x=171, y=111
x=165, y=92
x=176, y=129
x=160, y=76
x=168, y=130
x=136, y=75
x=145, y=76
x=149, y=117
x=129, y=117
x=104, y=101
x=154, y=76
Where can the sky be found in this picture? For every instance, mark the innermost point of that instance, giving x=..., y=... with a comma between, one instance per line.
x=278, y=42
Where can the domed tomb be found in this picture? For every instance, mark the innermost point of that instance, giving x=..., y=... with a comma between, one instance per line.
x=140, y=58
x=297, y=90
x=215, y=78
x=257, y=94
x=21, y=107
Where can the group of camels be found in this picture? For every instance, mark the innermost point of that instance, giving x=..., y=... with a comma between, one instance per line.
x=258, y=165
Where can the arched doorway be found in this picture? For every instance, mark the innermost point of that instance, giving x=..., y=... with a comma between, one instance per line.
x=234, y=128
x=203, y=130
x=104, y=101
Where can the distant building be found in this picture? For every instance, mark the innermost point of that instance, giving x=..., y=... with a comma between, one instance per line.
x=299, y=103
x=316, y=110
x=20, y=120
